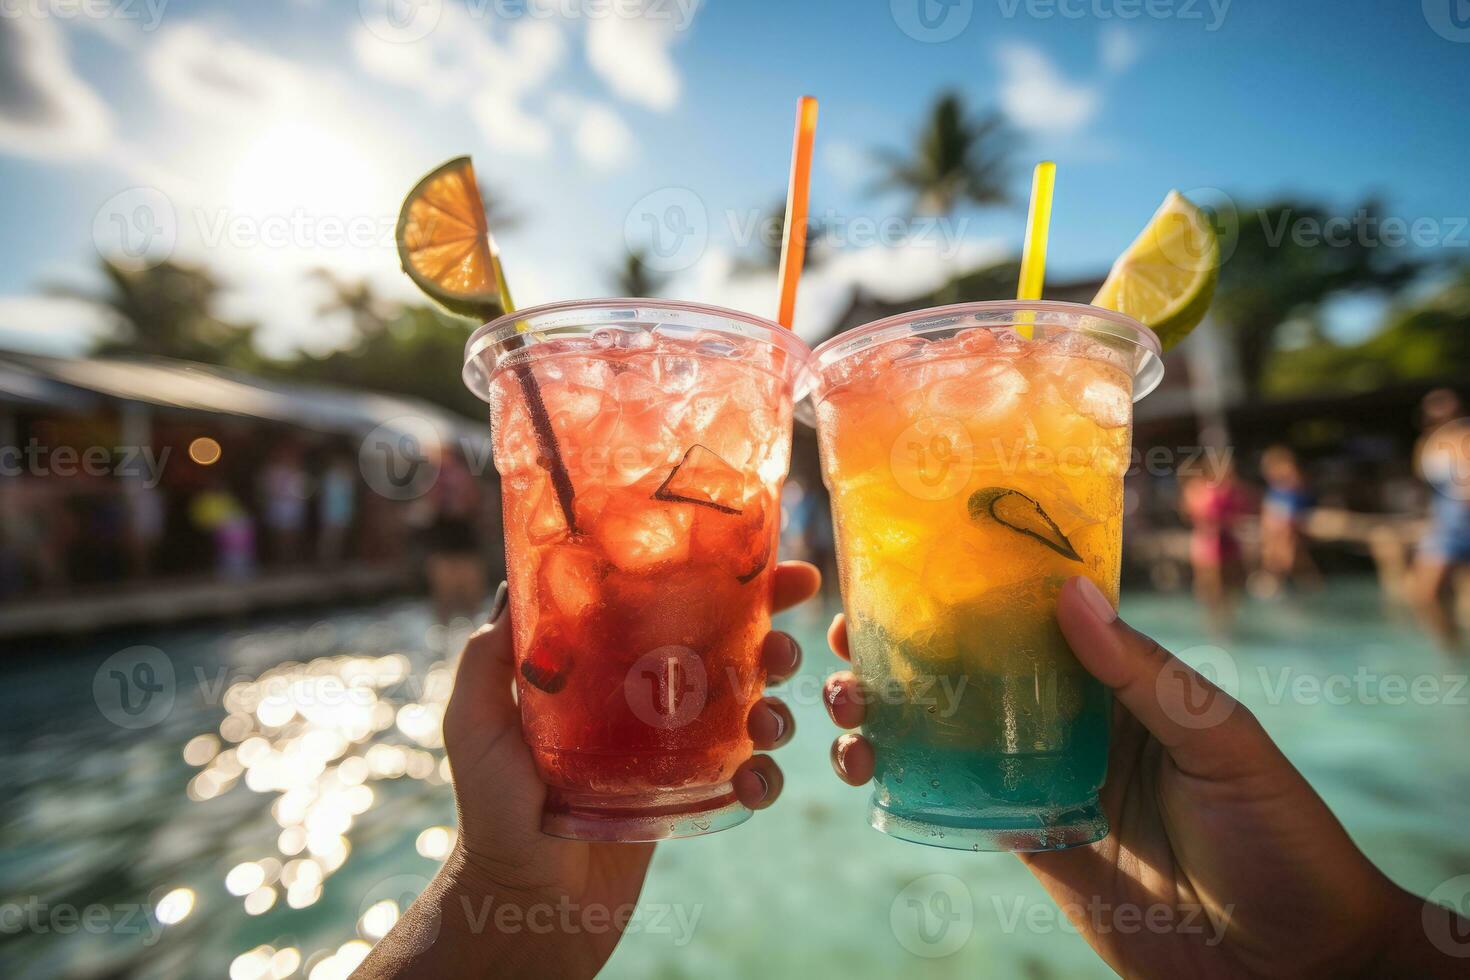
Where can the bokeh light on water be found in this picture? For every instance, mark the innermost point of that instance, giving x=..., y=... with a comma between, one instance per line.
x=214, y=839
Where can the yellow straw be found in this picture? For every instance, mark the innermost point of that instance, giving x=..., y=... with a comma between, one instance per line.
x=503, y=287
x=1033, y=252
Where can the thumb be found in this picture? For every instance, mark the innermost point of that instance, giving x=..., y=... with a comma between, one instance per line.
x=1206, y=731
x=481, y=700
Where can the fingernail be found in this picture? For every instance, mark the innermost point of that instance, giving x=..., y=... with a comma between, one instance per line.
x=497, y=608
x=795, y=647
x=765, y=786
x=780, y=724
x=839, y=761
x=1096, y=601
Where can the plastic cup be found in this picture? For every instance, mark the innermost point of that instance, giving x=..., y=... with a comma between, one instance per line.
x=974, y=467
x=641, y=446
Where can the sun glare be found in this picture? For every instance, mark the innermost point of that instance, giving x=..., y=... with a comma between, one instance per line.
x=310, y=173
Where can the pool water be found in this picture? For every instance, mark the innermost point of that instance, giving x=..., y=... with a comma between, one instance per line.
x=108, y=818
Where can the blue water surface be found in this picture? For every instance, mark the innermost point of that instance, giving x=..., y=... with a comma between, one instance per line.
x=109, y=819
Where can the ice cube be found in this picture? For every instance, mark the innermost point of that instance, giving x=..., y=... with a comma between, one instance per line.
x=741, y=543
x=571, y=577
x=677, y=373
x=633, y=391
x=571, y=406
x=546, y=522
x=988, y=393
x=703, y=478
x=1105, y=402
x=637, y=535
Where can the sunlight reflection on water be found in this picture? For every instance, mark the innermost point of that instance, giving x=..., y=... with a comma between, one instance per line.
x=295, y=800
x=315, y=736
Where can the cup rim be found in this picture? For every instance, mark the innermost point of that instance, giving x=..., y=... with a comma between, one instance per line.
x=492, y=336
x=1146, y=376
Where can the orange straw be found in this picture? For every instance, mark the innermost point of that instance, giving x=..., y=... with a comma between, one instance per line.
x=793, y=246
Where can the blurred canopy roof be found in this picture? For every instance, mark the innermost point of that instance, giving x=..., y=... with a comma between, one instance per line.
x=79, y=384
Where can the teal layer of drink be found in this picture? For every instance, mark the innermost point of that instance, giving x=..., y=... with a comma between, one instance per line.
x=1005, y=760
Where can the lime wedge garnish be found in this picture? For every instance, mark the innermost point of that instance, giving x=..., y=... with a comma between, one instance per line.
x=1013, y=509
x=1166, y=278
x=444, y=243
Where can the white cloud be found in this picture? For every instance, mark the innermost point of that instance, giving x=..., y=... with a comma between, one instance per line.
x=1036, y=96
x=46, y=109
x=1118, y=48
x=509, y=127
x=632, y=54
x=198, y=70
x=51, y=325
x=461, y=56
x=600, y=136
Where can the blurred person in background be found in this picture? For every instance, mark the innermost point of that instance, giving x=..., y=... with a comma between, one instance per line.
x=1442, y=460
x=216, y=511
x=336, y=506
x=284, y=490
x=1213, y=504
x=455, y=565
x=1284, y=510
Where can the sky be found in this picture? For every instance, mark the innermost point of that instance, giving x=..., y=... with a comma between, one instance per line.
x=271, y=138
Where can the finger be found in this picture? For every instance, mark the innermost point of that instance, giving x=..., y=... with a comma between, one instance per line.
x=770, y=723
x=1207, y=732
x=843, y=695
x=852, y=759
x=481, y=697
x=780, y=655
x=796, y=582
x=758, y=782
x=837, y=637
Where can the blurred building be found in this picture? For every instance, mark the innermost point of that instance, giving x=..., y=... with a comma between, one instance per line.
x=151, y=488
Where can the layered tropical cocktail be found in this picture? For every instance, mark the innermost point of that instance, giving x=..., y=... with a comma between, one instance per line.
x=641, y=447
x=975, y=456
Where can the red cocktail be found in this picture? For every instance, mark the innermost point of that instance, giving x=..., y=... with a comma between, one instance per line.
x=642, y=446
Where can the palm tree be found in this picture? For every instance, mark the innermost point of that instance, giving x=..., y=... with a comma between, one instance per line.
x=1274, y=275
x=958, y=158
x=634, y=278
x=167, y=310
